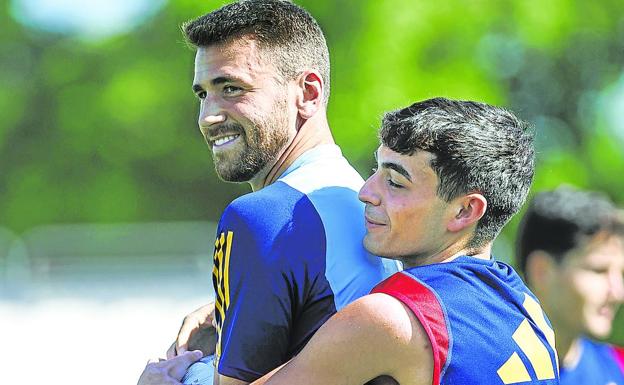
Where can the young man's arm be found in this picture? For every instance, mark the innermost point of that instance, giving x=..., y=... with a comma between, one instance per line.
x=376, y=335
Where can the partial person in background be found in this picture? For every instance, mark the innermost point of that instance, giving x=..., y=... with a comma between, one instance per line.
x=450, y=175
x=571, y=250
x=289, y=254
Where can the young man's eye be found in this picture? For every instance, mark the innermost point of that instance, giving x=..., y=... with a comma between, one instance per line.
x=201, y=95
x=597, y=269
x=394, y=185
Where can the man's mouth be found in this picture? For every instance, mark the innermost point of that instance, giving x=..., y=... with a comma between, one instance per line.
x=223, y=140
x=606, y=311
x=372, y=222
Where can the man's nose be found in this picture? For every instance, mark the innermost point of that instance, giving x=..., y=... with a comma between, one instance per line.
x=210, y=113
x=616, y=285
x=367, y=192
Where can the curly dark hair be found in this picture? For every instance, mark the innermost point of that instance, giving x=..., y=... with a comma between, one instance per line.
x=477, y=147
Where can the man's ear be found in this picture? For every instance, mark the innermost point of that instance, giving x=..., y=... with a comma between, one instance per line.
x=468, y=209
x=539, y=270
x=310, y=94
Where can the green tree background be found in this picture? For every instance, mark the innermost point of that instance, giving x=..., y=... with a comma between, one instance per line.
x=105, y=130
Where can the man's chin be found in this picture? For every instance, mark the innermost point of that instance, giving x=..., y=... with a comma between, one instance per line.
x=232, y=177
x=374, y=247
x=601, y=329
x=235, y=173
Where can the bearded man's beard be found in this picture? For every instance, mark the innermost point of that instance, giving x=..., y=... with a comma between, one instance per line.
x=262, y=144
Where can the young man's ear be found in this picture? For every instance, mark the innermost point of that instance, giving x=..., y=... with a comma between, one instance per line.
x=467, y=211
x=310, y=94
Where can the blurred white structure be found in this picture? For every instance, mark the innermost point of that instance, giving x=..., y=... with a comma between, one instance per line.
x=91, y=303
x=87, y=19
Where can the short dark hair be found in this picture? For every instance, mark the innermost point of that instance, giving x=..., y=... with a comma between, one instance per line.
x=289, y=32
x=477, y=147
x=563, y=219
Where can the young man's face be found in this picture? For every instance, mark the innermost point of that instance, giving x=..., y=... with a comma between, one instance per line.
x=591, y=286
x=404, y=216
x=246, y=115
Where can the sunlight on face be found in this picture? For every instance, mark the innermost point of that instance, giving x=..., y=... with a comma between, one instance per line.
x=404, y=215
x=244, y=110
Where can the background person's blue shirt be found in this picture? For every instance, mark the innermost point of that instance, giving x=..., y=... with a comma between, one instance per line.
x=599, y=364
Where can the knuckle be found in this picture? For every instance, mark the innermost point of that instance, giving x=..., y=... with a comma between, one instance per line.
x=189, y=319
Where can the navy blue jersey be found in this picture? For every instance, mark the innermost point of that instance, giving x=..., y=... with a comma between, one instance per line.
x=287, y=257
x=599, y=364
x=484, y=324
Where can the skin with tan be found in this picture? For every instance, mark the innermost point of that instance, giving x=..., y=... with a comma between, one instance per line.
x=582, y=292
x=378, y=335
x=247, y=107
x=397, y=199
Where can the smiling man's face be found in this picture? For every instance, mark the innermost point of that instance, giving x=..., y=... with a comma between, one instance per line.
x=591, y=287
x=404, y=215
x=245, y=115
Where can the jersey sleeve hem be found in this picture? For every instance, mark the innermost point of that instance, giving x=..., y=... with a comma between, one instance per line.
x=425, y=306
x=238, y=373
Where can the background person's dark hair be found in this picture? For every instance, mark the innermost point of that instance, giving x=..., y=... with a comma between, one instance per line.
x=291, y=37
x=563, y=219
x=477, y=148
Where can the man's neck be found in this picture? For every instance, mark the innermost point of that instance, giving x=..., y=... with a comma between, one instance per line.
x=569, y=351
x=568, y=346
x=448, y=254
x=310, y=134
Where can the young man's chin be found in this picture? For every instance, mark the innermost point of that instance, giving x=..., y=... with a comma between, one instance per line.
x=375, y=247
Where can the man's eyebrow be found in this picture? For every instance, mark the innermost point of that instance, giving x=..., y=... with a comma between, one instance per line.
x=223, y=79
x=398, y=168
x=217, y=81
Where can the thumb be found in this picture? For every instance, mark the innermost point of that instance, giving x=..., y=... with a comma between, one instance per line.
x=179, y=364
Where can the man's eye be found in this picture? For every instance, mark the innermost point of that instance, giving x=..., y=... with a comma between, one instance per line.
x=230, y=89
x=393, y=185
x=597, y=269
x=201, y=95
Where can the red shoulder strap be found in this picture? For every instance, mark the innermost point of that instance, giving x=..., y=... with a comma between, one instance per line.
x=424, y=303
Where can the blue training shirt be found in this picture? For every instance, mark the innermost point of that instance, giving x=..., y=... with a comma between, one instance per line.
x=484, y=325
x=287, y=257
x=599, y=364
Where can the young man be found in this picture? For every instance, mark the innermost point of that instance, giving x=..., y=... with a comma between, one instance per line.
x=571, y=249
x=450, y=175
x=288, y=255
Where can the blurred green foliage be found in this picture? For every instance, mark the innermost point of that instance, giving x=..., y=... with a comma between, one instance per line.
x=105, y=131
